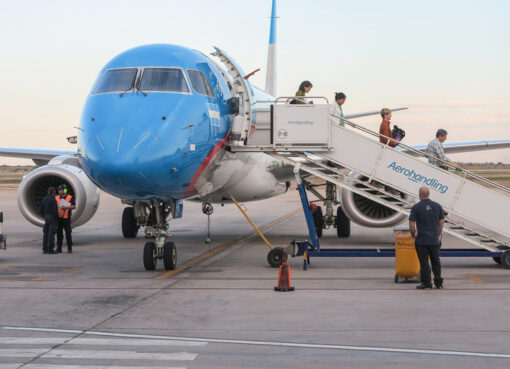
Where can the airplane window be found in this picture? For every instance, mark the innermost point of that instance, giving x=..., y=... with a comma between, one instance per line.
x=200, y=83
x=163, y=79
x=116, y=80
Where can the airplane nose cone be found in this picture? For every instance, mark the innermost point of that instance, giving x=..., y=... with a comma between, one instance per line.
x=135, y=162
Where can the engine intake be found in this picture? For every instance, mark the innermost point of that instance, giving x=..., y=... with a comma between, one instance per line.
x=366, y=212
x=34, y=187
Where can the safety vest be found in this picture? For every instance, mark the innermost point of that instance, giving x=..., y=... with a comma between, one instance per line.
x=61, y=212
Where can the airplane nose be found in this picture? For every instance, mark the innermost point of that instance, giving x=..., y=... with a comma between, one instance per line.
x=135, y=161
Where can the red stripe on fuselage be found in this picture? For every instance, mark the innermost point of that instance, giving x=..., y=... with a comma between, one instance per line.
x=190, y=190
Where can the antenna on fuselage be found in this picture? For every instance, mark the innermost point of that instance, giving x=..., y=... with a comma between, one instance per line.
x=271, y=55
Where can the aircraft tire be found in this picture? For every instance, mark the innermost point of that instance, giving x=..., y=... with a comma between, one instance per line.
x=318, y=220
x=129, y=226
x=149, y=256
x=505, y=259
x=343, y=224
x=169, y=256
x=275, y=257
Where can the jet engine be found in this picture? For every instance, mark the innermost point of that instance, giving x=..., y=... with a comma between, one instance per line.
x=60, y=170
x=366, y=212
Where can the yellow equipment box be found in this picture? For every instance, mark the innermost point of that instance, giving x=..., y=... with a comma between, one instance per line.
x=407, y=264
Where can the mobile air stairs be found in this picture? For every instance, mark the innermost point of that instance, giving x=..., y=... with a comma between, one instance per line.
x=311, y=140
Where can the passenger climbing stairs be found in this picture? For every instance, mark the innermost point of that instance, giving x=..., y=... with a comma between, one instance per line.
x=306, y=138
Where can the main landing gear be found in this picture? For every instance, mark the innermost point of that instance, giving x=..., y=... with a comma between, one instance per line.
x=153, y=216
x=324, y=221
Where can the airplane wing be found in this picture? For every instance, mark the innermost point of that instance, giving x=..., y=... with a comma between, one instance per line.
x=39, y=156
x=468, y=146
x=364, y=114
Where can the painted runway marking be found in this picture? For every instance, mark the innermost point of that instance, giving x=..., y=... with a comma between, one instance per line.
x=279, y=344
x=94, y=341
x=54, y=366
x=222, y=247
x=21, y=352
x=118, y=355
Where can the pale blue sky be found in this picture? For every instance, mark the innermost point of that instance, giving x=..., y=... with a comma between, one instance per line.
x=447, y=60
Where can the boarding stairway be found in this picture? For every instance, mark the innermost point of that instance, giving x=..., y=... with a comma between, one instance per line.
x=309, y=139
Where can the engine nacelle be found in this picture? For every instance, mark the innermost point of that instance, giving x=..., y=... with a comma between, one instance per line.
x=59, y=170
x=366, y=212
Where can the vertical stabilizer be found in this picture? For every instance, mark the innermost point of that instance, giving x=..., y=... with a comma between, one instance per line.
x=271, y=55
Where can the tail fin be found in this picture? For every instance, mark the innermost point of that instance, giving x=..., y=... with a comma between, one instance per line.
x=271, y=55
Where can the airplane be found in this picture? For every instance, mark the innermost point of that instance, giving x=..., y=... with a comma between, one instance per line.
x=154, y=131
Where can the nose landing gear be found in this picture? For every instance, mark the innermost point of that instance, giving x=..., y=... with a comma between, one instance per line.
x=154, y=217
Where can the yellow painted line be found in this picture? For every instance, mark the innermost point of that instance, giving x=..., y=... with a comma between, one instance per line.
x=72, y=269
x=476, y=279
x=37, y=279
x=219, y=249
x=281, y=218
x=197, y=259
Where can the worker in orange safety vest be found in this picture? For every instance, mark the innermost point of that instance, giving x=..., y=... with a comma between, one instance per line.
x=66, y=204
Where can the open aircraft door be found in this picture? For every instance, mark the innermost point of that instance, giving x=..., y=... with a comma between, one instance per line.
x=243, y=120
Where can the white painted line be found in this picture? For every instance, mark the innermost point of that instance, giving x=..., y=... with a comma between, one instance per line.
x=94, y=341
x=131, y=342
x=31, y=341
x=124, y=355
x=54, y=366
x=21, y=352
x=11, y=366
x=66, y=331
x=285, y=344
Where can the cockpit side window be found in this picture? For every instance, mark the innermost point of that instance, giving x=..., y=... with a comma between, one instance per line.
x=200, y=83
x=163, y=79
x=116, y=80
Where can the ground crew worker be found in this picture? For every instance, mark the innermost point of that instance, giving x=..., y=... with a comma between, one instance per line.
x=426, y=224
x=435, y=150
x=66, y=204
x=49, y=210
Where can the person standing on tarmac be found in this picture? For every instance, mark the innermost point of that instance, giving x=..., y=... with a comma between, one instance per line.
x=66, y=204
x=426, y=223
x=49, y=210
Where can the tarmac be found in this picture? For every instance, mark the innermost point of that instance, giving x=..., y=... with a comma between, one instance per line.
x=98, y=307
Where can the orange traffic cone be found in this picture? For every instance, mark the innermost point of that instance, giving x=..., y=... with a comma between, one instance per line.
x=284, y=276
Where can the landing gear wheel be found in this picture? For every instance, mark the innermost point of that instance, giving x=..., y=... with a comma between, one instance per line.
x=396, y=278
x=150, y=257
x=275, y=257
x=169, y=256
x=505, y=259
x=343, y=224
x=497, y=259
x=318, y=220
x=129, y=226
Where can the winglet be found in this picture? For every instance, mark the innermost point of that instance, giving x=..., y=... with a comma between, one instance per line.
x=271, y=55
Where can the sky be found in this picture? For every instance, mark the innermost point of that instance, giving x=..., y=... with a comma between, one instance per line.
x=446, y=60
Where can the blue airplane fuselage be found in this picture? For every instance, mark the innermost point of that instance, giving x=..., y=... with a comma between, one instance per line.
x=141, y=145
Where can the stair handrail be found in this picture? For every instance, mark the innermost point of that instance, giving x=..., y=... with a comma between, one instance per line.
x=465, y=173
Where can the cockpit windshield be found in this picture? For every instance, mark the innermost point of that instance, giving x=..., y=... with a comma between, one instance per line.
x=116, y=80
x=163, y=79
x=200, y=83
